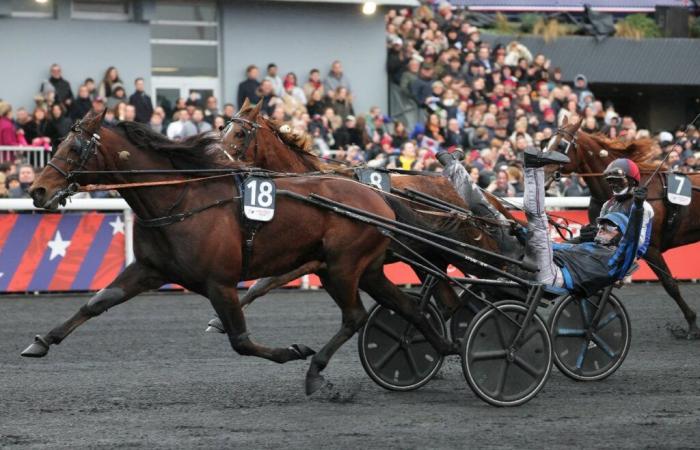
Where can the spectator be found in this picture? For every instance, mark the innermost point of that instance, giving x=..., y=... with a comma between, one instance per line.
x=89, y=83
x=181, y=128
x=14, y=190
x=336, y=78
x=129, y=113
x=59, y=124
x=314, y=84
x=501, y=187
x=110, y=81
x=61, y=87
x=348, y=134
x=81, y=105
x=25, y=177
x=118, y=96
x=267, y=96
x=200, y=124
x=407, y=156
x=342, y=105
x=156, y=123
x=8, y=134
x=98, y=105
x=249, y=88
x=36, y=127
x=274, y=78
x=422, y=87
x=317, y=104
x=212, y=110
x=141, y=102
x=409, y=75
x=229, y=111
x=399, y=136
x=219, y=123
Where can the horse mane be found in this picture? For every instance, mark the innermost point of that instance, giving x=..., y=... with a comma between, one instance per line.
x=641, y=151
x=202, y=151
x=299, y=142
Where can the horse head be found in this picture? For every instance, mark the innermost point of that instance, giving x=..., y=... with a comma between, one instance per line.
x=78, y=152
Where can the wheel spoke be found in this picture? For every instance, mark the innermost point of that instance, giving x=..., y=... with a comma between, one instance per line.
x=608, y=319
x=585, y=312
x=603, y=345
x=576, y=332
x=388, y=355
x=499, y=329
x=411, y=361
x=488, y=355
x=502, y=379
x=582, y=354
x=386, y=330
x=526, y=366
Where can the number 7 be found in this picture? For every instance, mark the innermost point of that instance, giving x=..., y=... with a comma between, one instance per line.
x=680, y=181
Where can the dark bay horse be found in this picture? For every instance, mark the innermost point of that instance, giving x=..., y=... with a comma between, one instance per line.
x=273, y=146
x=192, y=234
x=590, y=154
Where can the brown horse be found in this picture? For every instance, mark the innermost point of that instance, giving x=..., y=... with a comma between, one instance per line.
x=273, y=146
x=192, y=234
x=590, y=154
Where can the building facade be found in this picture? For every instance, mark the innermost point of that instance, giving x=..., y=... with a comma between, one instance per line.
x=186, y=48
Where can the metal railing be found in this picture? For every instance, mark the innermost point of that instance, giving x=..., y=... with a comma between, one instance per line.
x=36, y=156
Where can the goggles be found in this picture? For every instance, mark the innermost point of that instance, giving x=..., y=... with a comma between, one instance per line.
x=608, y=227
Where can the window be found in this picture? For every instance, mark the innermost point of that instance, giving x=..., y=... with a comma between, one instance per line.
x=32, y=8
x=101, y=9
x=185, y=38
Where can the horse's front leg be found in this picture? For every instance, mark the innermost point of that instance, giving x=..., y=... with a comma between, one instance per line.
x=136, y=278
x=225, y=301
x=265, y=285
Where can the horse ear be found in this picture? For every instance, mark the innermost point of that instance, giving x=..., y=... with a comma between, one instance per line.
x=256, y=111
x=246, y=104
x=93, y=120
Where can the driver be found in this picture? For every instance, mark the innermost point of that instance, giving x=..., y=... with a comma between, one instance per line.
x=622, y=176
x=586, y=267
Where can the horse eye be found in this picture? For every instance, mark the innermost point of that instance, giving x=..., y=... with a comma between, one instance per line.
x=240, y=134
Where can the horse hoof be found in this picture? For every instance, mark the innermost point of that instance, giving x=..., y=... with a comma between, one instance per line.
x=301, y=351
x=314, y=383
x=215, y=326
x=38, y=349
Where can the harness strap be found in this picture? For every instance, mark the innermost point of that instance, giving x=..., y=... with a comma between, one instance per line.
x=179, y=217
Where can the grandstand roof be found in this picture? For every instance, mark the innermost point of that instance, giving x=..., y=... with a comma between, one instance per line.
x=662, y=61
x=568, y=5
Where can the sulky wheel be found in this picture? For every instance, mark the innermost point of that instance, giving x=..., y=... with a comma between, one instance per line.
x=463, y=316
x=498, y=373
x=396, y=355
x=584, y=352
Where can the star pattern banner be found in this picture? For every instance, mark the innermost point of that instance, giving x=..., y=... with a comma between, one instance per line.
x=60, y=252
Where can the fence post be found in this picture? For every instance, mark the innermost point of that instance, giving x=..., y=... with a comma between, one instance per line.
x=128, y=236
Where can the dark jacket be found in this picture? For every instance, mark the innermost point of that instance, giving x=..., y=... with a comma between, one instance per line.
x=589, y=267
x=63, y=90
x=79, y=108
x=34, y=130
x=422, y=89
x=143, y=106
x=345, y=136
x=57, y=129
x=248, y=89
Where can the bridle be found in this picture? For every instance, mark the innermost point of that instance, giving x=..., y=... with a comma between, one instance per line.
x=86, y=149
x=250, y=129
x=565, y=144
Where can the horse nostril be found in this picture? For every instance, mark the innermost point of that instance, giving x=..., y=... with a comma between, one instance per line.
x=38, y=194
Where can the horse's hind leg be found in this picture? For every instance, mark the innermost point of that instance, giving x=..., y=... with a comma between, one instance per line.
x=658, y=265
x=376, y=284
x=224, y=299
x=136, y=278
x=265, y=285
x=344, y=292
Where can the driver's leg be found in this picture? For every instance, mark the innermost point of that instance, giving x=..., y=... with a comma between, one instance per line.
x=539, y=247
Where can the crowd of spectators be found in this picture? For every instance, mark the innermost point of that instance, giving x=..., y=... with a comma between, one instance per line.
x=492, y=101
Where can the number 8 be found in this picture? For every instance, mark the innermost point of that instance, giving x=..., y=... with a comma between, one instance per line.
x=264, y=197
x=375, y=179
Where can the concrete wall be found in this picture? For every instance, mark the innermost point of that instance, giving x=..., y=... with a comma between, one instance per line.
x=259, y=33
x=84, y=48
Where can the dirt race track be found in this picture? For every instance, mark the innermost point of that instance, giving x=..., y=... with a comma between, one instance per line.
x=145, y=375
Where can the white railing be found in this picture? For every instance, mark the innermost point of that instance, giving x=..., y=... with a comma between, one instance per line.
x=118, y=204
x=36, y=156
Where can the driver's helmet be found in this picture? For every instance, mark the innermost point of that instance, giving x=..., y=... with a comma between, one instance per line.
x=616, y=218
x=621, y=174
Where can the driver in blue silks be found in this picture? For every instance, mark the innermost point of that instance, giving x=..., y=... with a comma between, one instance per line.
x=586, y=267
